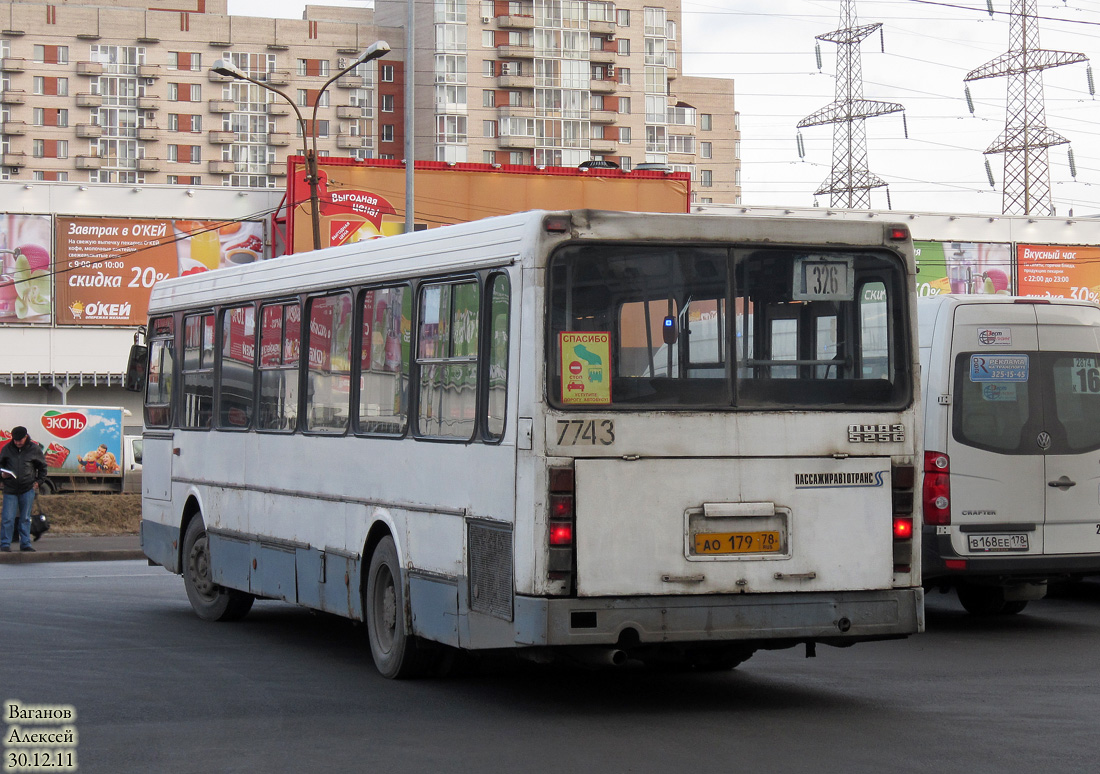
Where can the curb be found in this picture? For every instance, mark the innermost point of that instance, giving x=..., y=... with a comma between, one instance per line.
x=38, y=557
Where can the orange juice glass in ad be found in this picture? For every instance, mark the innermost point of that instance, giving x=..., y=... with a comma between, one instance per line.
x=206, y=248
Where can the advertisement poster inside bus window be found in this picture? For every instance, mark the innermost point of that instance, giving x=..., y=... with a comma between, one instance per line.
x=1058, y=271
x=976, y=268
x=25, y=284
x=585, y=367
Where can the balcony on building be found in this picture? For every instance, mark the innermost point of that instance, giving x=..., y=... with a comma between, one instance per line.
x=15, y=127
x=604, y=146
x=13, y=97
x=222, y=167
x=222, y=105
x=276, y=78
x=148, y=165
x=276, y=170
x=273, y=108
x=600, y=27
x=508, y=51
x=16, y=159
x=516, y=141
x=347, y=141
x=89, y=162
x=515, y=111
x=13, y=64
x=148, y=71
x=148, y=133
x=89, y=68
x=89, y=100
x=350, y=81
x=219, y=137
x=516, y=81
x=516, y=22
x=214, y=77
x=149, y=102
x=89, y=131
x=602, y=86
x=602, y=56
x=602, y=116
x=349, y=111
x=278, y=138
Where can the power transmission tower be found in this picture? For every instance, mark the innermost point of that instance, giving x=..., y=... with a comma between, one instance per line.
x=1026, y=136
x=850, y=182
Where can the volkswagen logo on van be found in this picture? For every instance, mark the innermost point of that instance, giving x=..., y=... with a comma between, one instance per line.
x=1043, y=439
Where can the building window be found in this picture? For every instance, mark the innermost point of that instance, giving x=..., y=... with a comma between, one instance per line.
x=516, y=157
x=488, y=39
x=625, y=164
x=705, y=150
x=706, y=200
x=49, y=175
x=387, y=132
x=50, y=117
x=622, y=17
x=310, y=97
x=706, y=178
x=624, y=46
x=313, y=67
x=488, y=98
x=624, y=135
x=184, y=60
x=51, y=86
x=705, y=122
x=387, y=103
x=386, y=73
x=624, y=76
x=51, y=54
x=624, y=104
x=489, y=157
x=50, y=149
x=489, y=128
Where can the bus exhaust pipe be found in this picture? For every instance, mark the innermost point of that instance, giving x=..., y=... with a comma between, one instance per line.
x=599, y=657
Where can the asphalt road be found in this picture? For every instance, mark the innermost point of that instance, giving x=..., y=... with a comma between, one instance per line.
x=157, y=690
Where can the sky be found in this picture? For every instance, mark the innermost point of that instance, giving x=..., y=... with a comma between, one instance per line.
x=768, y=48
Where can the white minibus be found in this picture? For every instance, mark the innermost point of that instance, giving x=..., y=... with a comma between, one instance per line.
x=1012, y=446
x=462, y=437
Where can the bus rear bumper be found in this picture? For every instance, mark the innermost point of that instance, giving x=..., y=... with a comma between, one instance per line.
x=834, y=617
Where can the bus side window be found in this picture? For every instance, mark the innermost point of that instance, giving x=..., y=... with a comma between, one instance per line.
x=198, y=371
x=874, y=332
x=280, y=343
x=158, y=386
x=499, y=295
x=328, y=400
x=235, y=377
x=384, y=361
x=447, y=345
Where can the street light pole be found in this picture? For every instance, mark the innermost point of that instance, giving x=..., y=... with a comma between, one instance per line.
x=226, y=68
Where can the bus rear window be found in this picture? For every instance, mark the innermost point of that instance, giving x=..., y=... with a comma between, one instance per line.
x=703, y=326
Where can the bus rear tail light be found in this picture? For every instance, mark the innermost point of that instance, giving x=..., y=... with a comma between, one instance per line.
x=937, y=489
x=560, y=527
x=902, y=480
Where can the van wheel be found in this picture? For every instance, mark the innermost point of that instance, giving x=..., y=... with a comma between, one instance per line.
x=396, y=652
x=210, y=601
x=45, y=488
x=981, y=600
x=1012, y=608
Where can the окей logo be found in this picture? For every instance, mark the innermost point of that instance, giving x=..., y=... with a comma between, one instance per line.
x=63, y=425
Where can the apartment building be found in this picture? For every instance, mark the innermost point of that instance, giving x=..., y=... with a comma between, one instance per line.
x=560, y=82
x=120, y=91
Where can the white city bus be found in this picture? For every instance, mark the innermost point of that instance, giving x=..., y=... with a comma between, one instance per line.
x=464, y=438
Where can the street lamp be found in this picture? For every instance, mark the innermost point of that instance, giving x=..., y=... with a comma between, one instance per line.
x=226, y=68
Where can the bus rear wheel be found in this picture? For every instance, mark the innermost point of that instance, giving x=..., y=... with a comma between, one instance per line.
x=978, y=599
x=210, y=601
x=396, y=652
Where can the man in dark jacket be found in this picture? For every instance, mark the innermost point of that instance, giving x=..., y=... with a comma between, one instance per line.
x=23, y=468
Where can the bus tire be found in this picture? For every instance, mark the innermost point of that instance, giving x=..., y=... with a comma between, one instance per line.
x=978, y=599
x=210, y=601
x=396, y=652
x=1012, y=608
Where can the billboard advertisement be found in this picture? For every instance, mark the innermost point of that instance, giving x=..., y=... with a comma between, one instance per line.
x=76, y=440
x=362, y=200
x=25, y=283
x=106, y=267
x=1059, y=271
x=983, y=268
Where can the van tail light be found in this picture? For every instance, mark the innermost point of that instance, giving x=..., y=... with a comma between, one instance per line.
x=561, y=521
x=902, y=481
x=937, y=489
